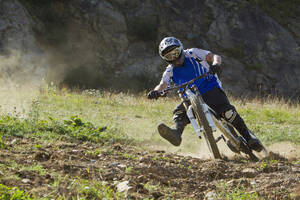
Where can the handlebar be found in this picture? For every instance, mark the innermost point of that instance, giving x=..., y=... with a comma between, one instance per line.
x=184, y=85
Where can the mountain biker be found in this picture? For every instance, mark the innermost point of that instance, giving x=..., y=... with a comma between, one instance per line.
x=183, y=66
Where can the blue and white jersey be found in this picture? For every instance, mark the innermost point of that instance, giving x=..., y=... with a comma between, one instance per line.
x=195, y=65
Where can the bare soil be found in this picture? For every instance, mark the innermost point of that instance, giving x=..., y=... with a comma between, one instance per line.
x=170, y=175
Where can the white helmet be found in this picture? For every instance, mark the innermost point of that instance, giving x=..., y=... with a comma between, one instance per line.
x=170, y=49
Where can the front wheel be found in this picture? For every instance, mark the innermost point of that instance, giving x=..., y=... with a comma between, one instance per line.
x=208, y=133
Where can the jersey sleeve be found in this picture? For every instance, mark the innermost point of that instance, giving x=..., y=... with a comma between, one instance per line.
x=167, y=75
x=199, y=53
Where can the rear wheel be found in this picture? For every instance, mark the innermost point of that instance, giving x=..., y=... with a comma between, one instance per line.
x=208, y=133
x=242, y=146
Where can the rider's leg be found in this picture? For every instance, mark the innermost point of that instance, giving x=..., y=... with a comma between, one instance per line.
x=173, y=135
x=235, y=119
x=218, y=101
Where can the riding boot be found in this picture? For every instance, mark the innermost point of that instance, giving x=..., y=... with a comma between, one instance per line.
x=251, y=139
x=173, y=135
x=254, y=143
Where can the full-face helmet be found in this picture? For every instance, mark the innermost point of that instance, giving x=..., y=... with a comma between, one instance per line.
x=170, y=49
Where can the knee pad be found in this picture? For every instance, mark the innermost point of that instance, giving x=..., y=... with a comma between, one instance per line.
x=229, y=115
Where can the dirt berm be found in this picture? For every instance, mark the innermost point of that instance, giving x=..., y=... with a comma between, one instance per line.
x=153, y=175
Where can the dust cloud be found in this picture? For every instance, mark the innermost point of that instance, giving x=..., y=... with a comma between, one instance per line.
x=190, y=146
x=21, y=76
x=286, y=149
x=197, y=148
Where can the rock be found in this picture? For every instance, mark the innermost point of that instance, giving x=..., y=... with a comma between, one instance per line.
x=121, y=166
x=249, y=172
x=25, y=180
x=123, y=186
x=256, y=40
x=14, y=141
x=20, y=54
x=84, y=41
x=211, y=195
x=253, y=183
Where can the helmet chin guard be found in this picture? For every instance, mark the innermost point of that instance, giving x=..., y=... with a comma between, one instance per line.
x=179, y=61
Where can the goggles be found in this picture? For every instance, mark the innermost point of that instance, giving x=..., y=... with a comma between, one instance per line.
x=172, y=55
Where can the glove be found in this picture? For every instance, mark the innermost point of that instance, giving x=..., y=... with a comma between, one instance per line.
x=215, y=69
x=154, y=94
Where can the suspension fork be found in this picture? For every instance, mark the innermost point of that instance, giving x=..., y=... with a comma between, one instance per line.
x=205, y=109
x=190, y=114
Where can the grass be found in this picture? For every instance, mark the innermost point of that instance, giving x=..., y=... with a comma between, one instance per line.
x=94, y=190
x=272, y=121
x=98, y=116
x=84, y=190
x=71, y=129
x=137, y=117
x=225, y=192
x=7, y=193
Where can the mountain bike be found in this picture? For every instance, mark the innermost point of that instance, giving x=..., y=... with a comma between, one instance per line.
x=205, y=121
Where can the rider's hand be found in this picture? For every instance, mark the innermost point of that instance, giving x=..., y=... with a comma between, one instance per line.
x=215, y=69
x=154, y=94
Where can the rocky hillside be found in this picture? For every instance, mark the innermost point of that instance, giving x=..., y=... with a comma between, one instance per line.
x=97, y=43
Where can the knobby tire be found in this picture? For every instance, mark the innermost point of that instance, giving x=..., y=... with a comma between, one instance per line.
x=208, y=133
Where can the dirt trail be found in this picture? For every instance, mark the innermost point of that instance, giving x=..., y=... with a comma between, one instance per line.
x=169, y=175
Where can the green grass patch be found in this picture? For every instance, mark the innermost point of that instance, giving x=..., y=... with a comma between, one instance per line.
x=73, y=128
x=239, y=192
x=7, y=193
x=273, y=123
x=2, y=143
x=87, y=189
x=82, y=189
